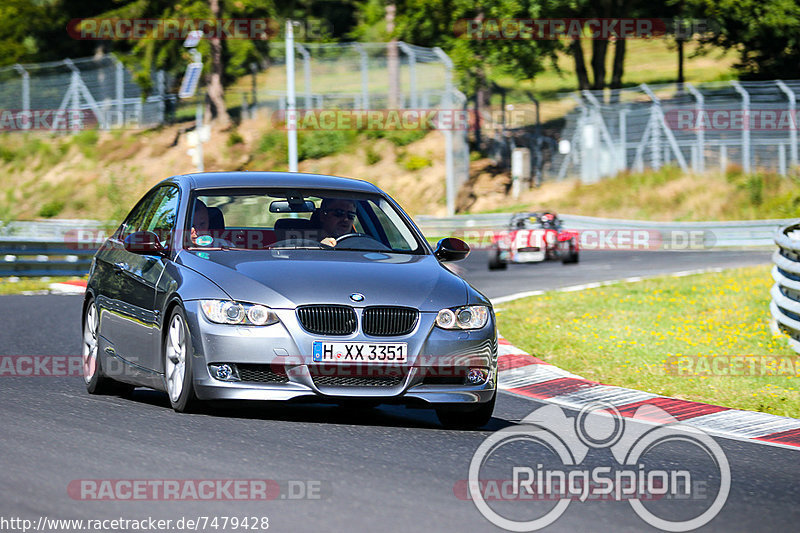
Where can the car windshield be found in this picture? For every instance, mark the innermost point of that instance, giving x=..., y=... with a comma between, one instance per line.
x=272, y=219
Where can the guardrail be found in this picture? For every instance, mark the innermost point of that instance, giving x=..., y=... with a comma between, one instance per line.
x=785, y=304
x=716, y=234
x=65, y=247
x=21, y=256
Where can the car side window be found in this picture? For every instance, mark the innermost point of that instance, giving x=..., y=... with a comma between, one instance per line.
x=135, y=220
x=162, y=214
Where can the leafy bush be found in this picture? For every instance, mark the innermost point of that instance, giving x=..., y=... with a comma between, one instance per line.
x=318, y=144
x=7, y=154
x=51, y=209
x=234, y=138
x=415, y=162
x=373, y=157
x=398, y=137
x=86, y=141
x=272, y=142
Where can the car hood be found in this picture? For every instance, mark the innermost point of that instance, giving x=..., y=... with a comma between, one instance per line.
x=288, y=278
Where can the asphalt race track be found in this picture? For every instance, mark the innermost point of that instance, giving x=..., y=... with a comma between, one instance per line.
x=384, y=469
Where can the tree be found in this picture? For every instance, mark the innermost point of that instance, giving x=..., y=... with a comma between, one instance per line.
x=21, y=21
x=154, y=52
x=766, y=34
x=613, y=9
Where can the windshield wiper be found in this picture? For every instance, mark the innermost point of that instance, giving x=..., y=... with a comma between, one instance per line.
x=320, y=247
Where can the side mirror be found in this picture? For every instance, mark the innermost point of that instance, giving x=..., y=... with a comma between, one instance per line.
x=143, y=243
x=451, y=249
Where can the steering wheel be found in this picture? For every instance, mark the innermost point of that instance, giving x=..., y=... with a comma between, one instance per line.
x=350, y=236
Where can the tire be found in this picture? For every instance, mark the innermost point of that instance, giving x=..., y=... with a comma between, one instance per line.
x=466, y=418
x=572, y=257
x=495, y=263
x=176, y=349
x=94, y=378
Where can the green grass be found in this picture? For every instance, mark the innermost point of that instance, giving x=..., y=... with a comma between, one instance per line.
x=643, y=335
x=651, y=61
x=29, y=284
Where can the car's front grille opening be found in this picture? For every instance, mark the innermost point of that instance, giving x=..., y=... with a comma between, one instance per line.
x=445, y=375
x=327, y=319
x=356, y=376
x=389, y=321
x=262, y=373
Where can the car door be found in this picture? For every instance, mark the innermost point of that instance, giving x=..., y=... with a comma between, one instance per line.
x=112, y=283
x=137, y=339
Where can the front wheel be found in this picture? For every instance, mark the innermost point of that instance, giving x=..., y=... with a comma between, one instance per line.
x=178, y=363
x=466, y=418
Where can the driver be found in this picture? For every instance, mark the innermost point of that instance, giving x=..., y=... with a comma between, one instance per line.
x=336, y=216
x=200, y=233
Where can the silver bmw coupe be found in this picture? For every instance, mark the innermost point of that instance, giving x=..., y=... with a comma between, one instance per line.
x=286, y=286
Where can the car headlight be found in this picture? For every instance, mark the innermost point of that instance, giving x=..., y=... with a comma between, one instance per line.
x=467, y=317
x=229, y=312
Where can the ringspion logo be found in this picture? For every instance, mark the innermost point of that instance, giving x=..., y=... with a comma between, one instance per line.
x=524, y=477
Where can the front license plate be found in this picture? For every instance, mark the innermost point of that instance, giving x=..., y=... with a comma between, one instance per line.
x=360, y=352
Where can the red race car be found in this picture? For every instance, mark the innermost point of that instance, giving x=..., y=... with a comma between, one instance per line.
x=531, y=238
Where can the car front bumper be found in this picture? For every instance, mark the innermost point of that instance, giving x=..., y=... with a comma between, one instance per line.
x=436, y=360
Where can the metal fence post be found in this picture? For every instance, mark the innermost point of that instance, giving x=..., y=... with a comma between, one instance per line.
x=723, y=158
x=655, y=138
x=307, y=102
x=782, y=159
x=26, y=87
x=793, y=126
x=603, y=131
x=660, y=123
x=447, y=103
x=364, y=65
x=412, y=72
x=623, y=138
x=291, y=104
x=746, y=155
x=120, y=88
x=162, y=95
x=699, y=162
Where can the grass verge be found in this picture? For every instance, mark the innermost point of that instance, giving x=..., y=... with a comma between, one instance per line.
x=662, y=335
x=25, y=285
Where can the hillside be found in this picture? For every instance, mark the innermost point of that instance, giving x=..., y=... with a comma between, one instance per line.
x=100, y=175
